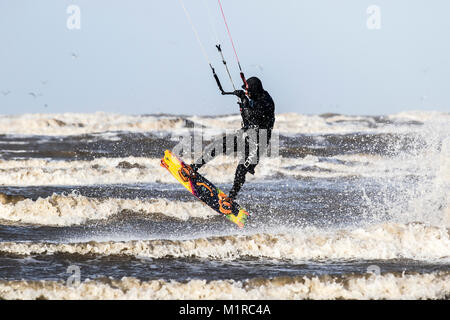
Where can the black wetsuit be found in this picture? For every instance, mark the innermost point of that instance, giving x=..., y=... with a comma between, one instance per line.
x=257, y=113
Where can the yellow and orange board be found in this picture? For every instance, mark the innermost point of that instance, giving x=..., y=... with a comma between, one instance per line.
x=203, y=190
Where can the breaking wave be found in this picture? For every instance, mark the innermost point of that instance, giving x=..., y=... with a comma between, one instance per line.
x=42, y=172
x=73, y=209
x=83, y=123
x=379, y=242
x=288, y=123
x=369, y=286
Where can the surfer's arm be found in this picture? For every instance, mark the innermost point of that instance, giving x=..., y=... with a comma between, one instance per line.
x=244, y=105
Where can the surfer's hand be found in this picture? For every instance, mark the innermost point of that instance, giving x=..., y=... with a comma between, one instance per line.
x=239, y=93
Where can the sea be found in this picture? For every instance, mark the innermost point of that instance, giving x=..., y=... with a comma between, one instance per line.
x=349, y=207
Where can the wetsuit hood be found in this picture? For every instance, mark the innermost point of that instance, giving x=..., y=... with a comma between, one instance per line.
x=255, y=86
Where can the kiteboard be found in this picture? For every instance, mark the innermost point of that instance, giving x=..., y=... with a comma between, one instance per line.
x=204, y=190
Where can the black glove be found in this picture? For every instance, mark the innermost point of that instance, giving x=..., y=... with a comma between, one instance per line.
x=239, y=93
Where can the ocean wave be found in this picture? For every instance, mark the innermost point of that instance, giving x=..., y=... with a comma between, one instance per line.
x=287, y=123
x=420, y=116
x=100, y=171
x=84, y=123
x=384, y=241
x=34, y=172
x=367, y=286
x=73, y=209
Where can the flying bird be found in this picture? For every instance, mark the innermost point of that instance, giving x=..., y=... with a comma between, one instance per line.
x=74, y=55
x=5, y=93
x=35, y=95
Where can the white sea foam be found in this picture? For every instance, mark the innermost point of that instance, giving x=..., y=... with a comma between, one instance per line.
x=79, y=123
x=385, y=286
x=66, y=210
x=287, y=123
x=377, y=242
x=33, y=172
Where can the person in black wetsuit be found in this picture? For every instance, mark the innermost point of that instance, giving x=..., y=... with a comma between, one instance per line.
x=258, y=118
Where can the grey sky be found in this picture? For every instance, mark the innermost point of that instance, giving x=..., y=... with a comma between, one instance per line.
x=141, y=56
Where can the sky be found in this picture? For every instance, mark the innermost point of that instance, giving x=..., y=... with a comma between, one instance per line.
x=142, y=57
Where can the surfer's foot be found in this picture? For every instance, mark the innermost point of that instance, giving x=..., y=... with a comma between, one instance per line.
x=187, y=172
x=225, y=204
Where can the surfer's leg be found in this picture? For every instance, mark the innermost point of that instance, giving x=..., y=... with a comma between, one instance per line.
x=247, y=164
x=239, y=180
